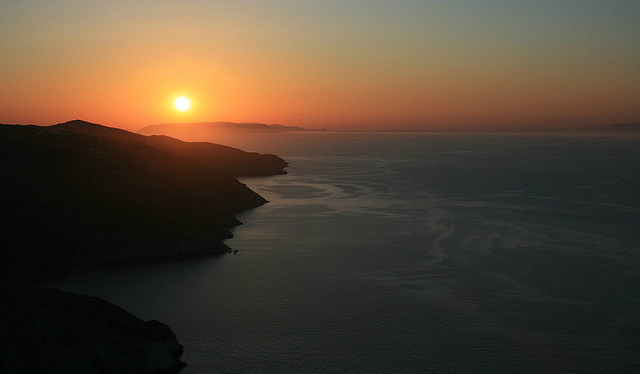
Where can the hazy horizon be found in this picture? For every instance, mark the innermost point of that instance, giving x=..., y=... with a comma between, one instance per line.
x=202, y=133
x=358, y=65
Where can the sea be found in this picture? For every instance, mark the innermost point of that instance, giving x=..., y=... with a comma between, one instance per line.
x=412, y=253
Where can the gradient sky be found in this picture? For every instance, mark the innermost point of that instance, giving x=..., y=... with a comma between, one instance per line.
x=348, y=64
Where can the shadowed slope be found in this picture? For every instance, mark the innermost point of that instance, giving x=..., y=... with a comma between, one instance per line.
x=80, y=194
x=231, y=160
x=50, y=331
x=74, y=199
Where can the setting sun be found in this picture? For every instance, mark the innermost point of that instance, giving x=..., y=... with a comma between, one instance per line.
x=182, y=103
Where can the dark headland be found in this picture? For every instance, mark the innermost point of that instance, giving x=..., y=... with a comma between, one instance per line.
x=78, y=195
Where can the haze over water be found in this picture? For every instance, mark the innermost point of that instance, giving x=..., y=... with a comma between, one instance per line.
x=413, y=253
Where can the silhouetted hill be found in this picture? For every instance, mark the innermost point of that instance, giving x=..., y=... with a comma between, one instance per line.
x=72, y=199
x=55, y=332
x=80, y=194
x=203, y=129
x=231, y=160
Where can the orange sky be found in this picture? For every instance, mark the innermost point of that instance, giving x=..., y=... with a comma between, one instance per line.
x=357, y=65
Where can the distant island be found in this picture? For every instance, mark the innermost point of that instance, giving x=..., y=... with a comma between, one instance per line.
x=79, y=194
x=202, y=129
x=209, y=130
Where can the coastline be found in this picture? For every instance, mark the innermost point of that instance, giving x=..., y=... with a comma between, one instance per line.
x=79, y=333
x=70, y=333
x=88, y=196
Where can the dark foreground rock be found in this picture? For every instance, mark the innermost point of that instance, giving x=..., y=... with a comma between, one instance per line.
x=51, y=331
x=73, y=199
x=78, y=195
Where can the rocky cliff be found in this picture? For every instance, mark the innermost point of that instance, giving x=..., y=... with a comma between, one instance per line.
x=79, y=194
x=76, y=199
x=51, y=331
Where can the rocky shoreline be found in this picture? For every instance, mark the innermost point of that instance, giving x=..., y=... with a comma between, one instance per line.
x=81, y=195
x=51, y=331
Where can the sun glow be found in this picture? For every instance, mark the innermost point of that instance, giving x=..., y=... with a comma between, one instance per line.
x=182, y=103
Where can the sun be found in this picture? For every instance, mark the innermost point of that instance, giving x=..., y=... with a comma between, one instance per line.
x=182, y=103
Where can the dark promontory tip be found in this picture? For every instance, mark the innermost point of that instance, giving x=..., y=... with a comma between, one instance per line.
x=52, y=331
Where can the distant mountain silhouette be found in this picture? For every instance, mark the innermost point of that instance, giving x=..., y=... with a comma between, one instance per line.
x=202, y=129
x=79, y=194
x=231, y=160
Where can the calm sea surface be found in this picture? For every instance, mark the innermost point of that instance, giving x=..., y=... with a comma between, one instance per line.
x=413, y=253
